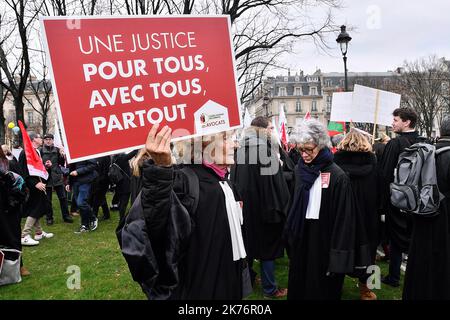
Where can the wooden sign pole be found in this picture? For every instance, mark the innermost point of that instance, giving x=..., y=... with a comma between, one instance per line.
x=377, y=103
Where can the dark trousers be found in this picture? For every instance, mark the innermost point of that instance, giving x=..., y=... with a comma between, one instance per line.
x=395, y=262
x=61, y=193
x=99, y=200
x=81, y=195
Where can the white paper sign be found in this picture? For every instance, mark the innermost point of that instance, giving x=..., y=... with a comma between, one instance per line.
x=341, y=107
x=365, y=104
x=361, y=105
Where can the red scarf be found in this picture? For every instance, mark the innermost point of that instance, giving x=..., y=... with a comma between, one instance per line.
x=221, y=172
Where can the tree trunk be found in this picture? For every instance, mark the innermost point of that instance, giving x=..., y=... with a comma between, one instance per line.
x=2, y=128
x=19, y=105
x=44, y=123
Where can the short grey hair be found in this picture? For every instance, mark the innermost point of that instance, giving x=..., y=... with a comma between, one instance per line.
x=312, y=131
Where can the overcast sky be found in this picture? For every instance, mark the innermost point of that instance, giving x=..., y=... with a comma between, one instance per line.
x=386, y=33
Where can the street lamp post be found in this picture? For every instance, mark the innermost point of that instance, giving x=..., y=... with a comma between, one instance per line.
x=343, y=39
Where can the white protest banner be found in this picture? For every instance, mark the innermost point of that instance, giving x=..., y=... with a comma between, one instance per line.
x=341, y=107
x=373, y=105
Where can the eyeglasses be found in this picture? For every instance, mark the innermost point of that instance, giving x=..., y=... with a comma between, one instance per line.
x=309, y=151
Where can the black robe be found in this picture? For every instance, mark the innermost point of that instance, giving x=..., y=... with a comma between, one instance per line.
x=428, y=270
x=207, y=270
x=37, y=204
x=10, y=232
x=398, y=224
x=265, y=198
x=361, y=168
x=325, y=250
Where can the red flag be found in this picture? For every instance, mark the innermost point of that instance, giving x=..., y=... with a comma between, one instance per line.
x=307, y=116
x=282, y=121
x=34, y=162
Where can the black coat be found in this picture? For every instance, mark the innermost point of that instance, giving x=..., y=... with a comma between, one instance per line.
x=326, y=248
x=37, y=204
x=203, y=266
x=86, y=170
x=361, y=168
x=265, y=196
x=428, y=271
x=398, y=224
x=55, y=174
x=10, y=231
x=122, y=160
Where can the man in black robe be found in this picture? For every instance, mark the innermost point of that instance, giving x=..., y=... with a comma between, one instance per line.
x=428, y=272
x=260, y=181
x=398, y=224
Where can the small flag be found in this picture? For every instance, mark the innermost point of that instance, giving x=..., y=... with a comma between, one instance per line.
x=335, y=128
x=307, y=116
x=34, y=162
x=282, y=125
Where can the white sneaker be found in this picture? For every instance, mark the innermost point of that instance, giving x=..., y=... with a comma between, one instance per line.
x=28, y=241
x=43, y=235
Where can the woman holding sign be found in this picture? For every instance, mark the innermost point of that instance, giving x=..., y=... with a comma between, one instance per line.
x=208, y=260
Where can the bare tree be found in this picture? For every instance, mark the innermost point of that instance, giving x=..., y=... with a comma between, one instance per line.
x=421, y=86
x=262, y=29
x=14, y=54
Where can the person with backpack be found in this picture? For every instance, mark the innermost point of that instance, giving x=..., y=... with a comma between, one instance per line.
x=428, y=271
x=195, y=235
x=398, y=224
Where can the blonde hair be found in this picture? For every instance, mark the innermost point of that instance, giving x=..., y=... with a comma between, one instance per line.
x=138, y=161
x=356, y=142
x=192, y=150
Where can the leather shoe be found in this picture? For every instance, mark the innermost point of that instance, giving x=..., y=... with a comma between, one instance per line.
x=24, y=272
x=68, y=220
x=387, y=280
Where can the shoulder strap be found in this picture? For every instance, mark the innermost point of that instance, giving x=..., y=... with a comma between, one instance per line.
x=193, y=185
x=441, y=150
x=115, y=164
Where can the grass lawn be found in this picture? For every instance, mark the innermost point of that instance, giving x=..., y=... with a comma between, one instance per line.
x=104, y=273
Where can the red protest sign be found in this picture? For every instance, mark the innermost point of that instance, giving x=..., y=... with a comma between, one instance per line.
x=114, y=77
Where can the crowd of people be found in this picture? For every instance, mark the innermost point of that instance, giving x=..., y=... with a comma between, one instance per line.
x=213, y=205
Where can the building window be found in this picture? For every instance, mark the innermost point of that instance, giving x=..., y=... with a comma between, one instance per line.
x=283, y=105
x=286, y=79
x=328, y=83
x=313, y=91
x=314, y=106
x=387, y=82
x=297, y=79
x=329, y=101
x=298, y=91
x=282, y=91
x=298, y=106
x=342, y=83
x=30, y=116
